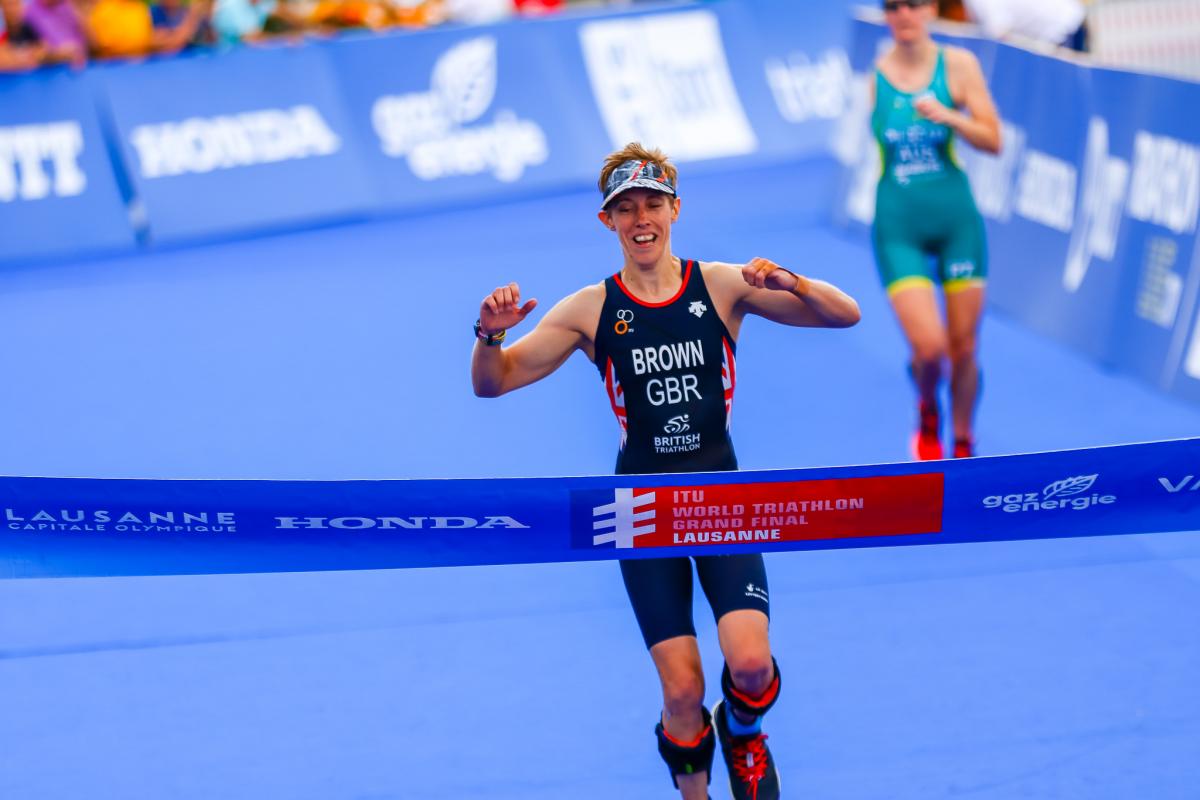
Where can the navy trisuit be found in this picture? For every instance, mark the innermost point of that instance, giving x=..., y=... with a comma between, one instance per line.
x=670, y=372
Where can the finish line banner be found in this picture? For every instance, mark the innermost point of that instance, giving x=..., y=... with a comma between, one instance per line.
x=61, y=527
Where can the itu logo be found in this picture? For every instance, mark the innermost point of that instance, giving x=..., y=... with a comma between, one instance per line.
x=1073, y=493
x=624, y=519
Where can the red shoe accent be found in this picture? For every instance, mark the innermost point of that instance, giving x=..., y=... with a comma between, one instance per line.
x=927, y=443
x=964, y=448
x=750, y=761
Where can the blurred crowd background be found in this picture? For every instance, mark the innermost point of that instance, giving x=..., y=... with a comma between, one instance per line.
x=1159, y=35
x=35, y=33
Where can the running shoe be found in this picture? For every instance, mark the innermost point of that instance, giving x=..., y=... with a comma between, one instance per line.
x=752, y=773
x=927, y=442
x=964, y=448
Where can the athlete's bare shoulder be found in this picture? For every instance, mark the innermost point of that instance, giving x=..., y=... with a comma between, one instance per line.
x=722, y=277
x=579, y=311
x=960, y=59
x=727, y=288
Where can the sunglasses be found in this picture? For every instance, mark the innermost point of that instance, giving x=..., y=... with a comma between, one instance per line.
x=894, y=5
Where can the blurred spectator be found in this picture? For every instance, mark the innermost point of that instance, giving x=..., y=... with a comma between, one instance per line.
x=235, y=21
x=192, y=18
x=532, y=7
x=125, y=29
x=20, y=49
x=335, y=14
x=1057, y=22
x=952, y=10
x=59, y=25
x=418, y=13
x=478, y=12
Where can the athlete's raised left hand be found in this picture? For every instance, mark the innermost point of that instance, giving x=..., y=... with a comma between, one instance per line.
x=768, y=275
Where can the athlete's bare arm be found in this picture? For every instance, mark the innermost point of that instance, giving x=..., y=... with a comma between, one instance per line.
x=980, y=125
x=764, y=288
x=567, y=327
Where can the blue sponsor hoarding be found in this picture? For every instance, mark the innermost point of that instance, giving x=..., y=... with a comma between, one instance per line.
x=236, y=142
x=474, y=113
x=58, y=193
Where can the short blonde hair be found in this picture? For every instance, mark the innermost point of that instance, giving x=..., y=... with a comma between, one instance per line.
x=634, y=151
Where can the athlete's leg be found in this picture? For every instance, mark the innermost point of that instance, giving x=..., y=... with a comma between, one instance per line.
x=736, y=587
x=747, y=650
x=660, y=591
x=916, y=309
x=964, y=310
x=683, y=719
x=963, y=270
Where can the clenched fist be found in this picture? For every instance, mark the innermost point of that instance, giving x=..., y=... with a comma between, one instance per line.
x=502, y=309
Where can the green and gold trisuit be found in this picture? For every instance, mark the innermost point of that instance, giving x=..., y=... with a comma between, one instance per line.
x=923, y=205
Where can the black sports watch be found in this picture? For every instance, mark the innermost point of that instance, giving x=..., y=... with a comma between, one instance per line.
x=490, y=339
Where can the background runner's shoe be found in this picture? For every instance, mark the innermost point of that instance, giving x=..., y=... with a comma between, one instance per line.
x=927, y=443
x=964, y=448
x=752, y=773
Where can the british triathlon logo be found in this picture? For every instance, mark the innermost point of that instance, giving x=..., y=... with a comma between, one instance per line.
x=442, y=132
x=624, y=519
x=677, y=424
x=1069, y=493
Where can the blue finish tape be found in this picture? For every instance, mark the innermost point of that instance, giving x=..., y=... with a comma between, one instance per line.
x=54, y=527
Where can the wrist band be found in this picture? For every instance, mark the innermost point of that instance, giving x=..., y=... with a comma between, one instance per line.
x=800, y=281
x=489, y=339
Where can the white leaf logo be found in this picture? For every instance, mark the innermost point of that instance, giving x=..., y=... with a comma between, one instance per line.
x=465, y=79
x=1069, y=486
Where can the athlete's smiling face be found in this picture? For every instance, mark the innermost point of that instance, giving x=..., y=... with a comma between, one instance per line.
x=642, y=219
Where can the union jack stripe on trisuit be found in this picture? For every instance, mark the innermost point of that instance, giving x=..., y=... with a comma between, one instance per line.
x=728, y=378
x=616, y=397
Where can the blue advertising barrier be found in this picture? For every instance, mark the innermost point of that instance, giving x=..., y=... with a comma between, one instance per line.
x=1091, y=208
x=1155, y=332
x=234, y=143
x=58, y=193
x=218, y=145
x=78, y=527
x=474, y=114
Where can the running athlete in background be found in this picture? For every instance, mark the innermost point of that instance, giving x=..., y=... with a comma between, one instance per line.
x=924, y=213
x=662, y=332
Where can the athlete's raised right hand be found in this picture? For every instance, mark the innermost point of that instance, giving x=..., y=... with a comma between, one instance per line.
x=502, y=309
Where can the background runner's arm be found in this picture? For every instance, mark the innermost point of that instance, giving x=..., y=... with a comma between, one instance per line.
x=980, y=125
x=780, y=295
x=496, y=370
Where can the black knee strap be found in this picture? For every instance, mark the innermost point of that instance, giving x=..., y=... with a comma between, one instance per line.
x=740, y=701
x=688, y=758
